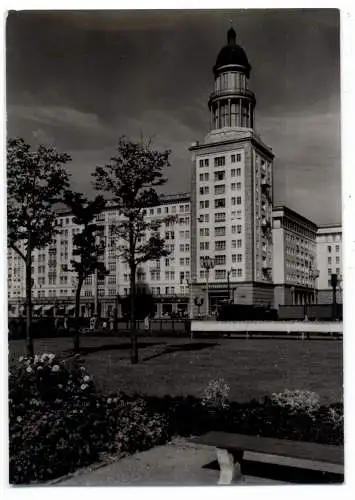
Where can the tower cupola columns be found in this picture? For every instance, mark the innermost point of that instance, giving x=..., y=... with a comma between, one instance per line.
x=231, y=104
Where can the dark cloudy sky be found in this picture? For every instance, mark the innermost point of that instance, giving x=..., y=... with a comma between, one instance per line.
x=81, y=79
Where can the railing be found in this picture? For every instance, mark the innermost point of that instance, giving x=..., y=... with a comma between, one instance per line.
x=232, y=92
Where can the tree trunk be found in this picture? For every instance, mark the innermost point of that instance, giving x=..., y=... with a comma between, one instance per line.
x=77, y=317
x=134, y=345
x=29, y=340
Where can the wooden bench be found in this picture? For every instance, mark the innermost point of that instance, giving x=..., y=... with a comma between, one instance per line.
x=304, y=455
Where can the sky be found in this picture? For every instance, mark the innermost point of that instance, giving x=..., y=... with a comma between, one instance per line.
x=81, y=79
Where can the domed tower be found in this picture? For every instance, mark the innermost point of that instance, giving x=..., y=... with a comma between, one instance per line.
x=231, y=104
x=232, y=193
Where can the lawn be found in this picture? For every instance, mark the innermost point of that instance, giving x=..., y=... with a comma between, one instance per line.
x=253, y=368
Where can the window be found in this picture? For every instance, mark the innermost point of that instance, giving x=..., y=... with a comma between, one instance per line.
x=204, y=190
x=233, y=186
x=234, y=229
x=337, y=270
x=233, y=172
x=219, y=189
x=220, y=203
x=239, y=185
x=239, y=172
x=220, y=274
x=220, y=161
x=204, y=231
x=206, y=162
x=219, y=176
x=239, y=229
x=239, y=200
x=233, y=158
x=220, y=260
x=329, y=271
x=159, y=210
x=201, y=163
x=329, y=249
x=204, y=245
x=220, y=245
x=239, y=157
x=204, y=204
x=337, y=260
x=239, y=257
x=329, y=260
x=220, y=217
x=239, y=243
x=220, y=231
x=239, y=273
x=337, y=248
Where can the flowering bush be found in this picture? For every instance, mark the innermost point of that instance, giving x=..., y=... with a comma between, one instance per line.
x=297, y=401
x=215, y=396
x=336, y=417
x=138, y=428
x=57, y=422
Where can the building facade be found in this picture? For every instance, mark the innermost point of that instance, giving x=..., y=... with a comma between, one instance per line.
x=54, y=286
x=329, y=261
x=231, y=191
x=294, y=258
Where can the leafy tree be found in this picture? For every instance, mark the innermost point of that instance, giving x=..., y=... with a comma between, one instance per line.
x=87, y=249
x=131, y=178
x=36, y=181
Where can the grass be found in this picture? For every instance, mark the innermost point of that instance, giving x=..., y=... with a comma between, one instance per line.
x=253, y=368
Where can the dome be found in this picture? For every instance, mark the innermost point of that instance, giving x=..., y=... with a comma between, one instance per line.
x=232, y=54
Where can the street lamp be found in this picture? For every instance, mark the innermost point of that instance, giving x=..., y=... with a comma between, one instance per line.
x=314, y=274
x=207, y=263
x=228, y=283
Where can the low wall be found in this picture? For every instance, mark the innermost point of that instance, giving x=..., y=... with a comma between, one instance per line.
x=266, y=326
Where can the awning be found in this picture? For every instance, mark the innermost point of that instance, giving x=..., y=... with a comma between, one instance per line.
x=70, y=309
x=37, y=308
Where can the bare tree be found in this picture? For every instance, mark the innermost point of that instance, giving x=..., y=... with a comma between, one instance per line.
x=87, y=249
x=36, y=181
x=131, y=178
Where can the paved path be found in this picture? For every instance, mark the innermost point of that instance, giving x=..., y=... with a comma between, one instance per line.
x=176, y=464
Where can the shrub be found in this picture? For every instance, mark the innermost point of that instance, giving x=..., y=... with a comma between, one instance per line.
x=297, y=401
x=216, y=394
x=57, y=422
x=138, y=428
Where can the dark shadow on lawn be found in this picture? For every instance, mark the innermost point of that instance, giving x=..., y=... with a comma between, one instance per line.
x=84, y=351
x=195, y=346
x=283, y=473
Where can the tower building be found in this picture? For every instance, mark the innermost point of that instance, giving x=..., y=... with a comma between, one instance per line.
x=232, y=192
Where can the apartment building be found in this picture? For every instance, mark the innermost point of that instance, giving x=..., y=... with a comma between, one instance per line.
x=54, y=286
x=294, y=258
x=231, y=192
x=329, y=261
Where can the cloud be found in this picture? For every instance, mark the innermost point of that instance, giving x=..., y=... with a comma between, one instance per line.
x=56, y=115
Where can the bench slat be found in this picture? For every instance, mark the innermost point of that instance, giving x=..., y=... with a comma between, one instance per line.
x=270, y=446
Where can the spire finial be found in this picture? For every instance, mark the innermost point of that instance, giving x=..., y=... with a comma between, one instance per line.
x=231, y=34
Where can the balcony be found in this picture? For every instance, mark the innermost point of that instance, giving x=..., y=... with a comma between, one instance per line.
x=232, y=93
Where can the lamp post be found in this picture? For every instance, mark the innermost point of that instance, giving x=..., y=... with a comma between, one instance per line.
x=207, y=264
x=314, y=274
x=334, y=282
x=228, y=283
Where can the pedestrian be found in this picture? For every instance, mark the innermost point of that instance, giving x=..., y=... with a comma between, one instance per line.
x=92, y=323
x=146, y=323
x=66, y=322
x=111, y=323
